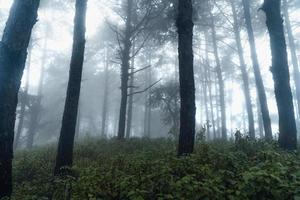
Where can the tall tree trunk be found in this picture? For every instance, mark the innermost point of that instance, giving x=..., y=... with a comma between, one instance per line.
x=220, y=80
x=209, y=82
x=125, y=70
x=105, y=96
x=212, y=115
x=280, y=71
x=204, y=79
x=146, y=114
x=116, y=120
x=36, y=108
x=244, y=120
x=23, y=102
x=130, y=101
x=208, y=90
x=64, y=155
x=200, y=105
x=259, y=120
x=293, y=51
x=149, y=112
x=260, y=88
x=13, y=53
x=217, y=106
x=186, y=77
x=34, y=118
x=245, y=77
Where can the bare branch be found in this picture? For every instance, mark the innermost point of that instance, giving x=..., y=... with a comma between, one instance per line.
x=144, y=90
x=130, y=74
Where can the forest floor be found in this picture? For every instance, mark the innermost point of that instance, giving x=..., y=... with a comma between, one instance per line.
x=139, y=169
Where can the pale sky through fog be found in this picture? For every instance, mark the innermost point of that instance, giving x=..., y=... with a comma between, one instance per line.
x=61, y=36
x=61, y=41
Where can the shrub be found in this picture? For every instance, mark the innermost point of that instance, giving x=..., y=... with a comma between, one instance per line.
x=149, y=169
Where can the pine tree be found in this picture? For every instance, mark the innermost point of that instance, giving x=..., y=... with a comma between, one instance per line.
x=280, y=71
x=186, y=77
x=64, y=157
x=13, y=53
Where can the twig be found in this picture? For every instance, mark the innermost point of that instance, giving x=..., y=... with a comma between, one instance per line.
x=138, y=92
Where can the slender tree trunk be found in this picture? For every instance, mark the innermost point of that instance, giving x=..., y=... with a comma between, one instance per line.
x=280, y=71
x=231, y=116
x=245, y=77
x=130, y=110
x=212, y=115
x=186, y=77
x=149, y=118
x=260, y=88
x=217, y=106
x=208, y=83
x=244, y=120
x=130, y=101
x=36, y=108
x=146, y=114
x=220, y=81
x=200, y=105
x=259, y=120
x=125, y=71
x=23, y=102
x=116, y=120
x=64, y=155
x=149, y=112
x=204, y=80
x=13, y=53
x=105, y=96
x=34, y=118
x=230, y=105
x=293, y=51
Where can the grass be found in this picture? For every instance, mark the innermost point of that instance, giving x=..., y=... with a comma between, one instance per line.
x=139, y=169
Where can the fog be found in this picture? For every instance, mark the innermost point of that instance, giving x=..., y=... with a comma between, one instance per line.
x=149, y=99
x=47, y=71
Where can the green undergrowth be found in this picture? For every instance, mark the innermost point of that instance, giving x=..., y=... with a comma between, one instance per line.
x=139, y=169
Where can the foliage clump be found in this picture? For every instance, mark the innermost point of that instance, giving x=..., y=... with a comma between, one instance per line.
x=149, y=169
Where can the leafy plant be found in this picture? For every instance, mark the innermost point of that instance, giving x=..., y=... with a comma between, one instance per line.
x=149, y=169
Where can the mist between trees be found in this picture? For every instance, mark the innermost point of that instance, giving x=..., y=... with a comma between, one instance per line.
x=212, y=70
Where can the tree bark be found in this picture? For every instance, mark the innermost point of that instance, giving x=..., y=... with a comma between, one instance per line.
x=64, y=157
x=105, y=96
x=186, y=77
x=13, y=53
x=245, y=77
x=125, y=58
x=280, y=71
x=23, y=102
x=130, y=101
x=220, y=80
x=293, y=51
x=260, y=88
